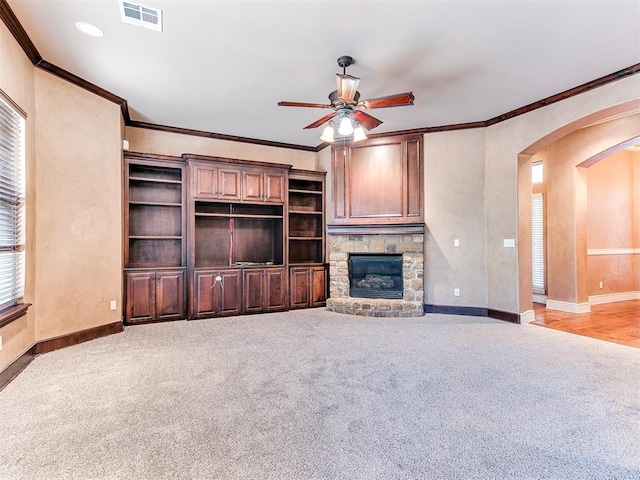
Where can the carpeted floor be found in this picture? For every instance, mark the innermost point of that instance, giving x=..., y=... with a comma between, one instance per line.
x=318, y=395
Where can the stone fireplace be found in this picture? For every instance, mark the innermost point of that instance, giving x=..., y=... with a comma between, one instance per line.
x=406, y=244
x=377, y=211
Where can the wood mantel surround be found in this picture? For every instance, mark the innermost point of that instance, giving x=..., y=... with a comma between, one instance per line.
x=378, y=182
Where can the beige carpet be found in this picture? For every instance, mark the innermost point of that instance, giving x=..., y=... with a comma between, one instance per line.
x=318, y=395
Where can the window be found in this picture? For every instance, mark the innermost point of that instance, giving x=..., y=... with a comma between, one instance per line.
x=537, y=243
x=12, y=207
x=537, y=172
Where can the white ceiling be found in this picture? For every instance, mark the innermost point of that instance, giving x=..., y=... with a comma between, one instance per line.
x=222, y=66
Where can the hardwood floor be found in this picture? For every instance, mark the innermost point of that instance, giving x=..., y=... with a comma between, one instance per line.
x=617, y=322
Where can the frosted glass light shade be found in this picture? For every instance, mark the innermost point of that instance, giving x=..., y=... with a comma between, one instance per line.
x=346, y=127
x=327, y=134
x=358, y=134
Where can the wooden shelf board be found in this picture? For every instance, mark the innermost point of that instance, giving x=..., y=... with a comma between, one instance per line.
x=155, y=180
x=305, y=212
x=305, y=192
x=155, y=204
x=237, y=215
x=305, y=238
x=155, y=237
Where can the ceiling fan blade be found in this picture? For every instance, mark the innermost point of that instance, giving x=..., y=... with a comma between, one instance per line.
x=303, y=104
x=347, y=86
x=366, y=120
x=322, y=120
x=397, y=100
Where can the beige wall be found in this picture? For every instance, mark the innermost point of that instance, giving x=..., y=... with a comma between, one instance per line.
x=611, y=224
x=526, y=135
x=16, y=80
x=568, y=205
x=74, y=208
x=454, y=208
x=79, y=208
x=164, y=143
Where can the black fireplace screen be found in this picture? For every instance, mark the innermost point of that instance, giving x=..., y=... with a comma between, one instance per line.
x=375, y=276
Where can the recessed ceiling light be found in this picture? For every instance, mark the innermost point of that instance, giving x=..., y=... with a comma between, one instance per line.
x=89, y=29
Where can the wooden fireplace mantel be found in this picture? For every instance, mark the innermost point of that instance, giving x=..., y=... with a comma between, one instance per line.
x=380, y=229
x=378, y=181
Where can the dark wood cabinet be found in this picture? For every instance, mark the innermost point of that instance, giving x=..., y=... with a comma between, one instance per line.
x=152, y=296
x=216, y=293
x=378, y=181
x=154, y=238
x=209, y=236
x=264, y=290
x=241, y=240
x=308, y=286
x=261, y=186
x=307, y=275
x=211, y=182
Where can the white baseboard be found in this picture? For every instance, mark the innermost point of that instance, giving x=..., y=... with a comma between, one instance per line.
x=568, y=306
x=613, y=297
x=526, y=317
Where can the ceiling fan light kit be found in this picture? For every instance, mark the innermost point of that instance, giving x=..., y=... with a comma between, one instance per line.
x=346, y=105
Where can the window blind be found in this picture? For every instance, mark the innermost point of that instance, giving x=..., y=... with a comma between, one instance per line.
x=12, y=208
x=537, y=243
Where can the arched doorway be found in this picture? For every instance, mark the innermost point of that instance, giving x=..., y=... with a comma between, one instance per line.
x=567, y=153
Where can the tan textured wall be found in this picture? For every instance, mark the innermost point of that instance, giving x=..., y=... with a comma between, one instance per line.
x=610, y=217
x=79, y=208
x=636, y=217
x=611, y=193
x=454, y=208
x=16, y=80
x=528, y=134
x=165, y=143
x=568, y=271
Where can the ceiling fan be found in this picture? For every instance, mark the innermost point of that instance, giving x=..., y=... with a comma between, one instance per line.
x=347, y=106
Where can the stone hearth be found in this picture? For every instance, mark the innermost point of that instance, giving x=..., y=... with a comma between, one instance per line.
x=410, y=245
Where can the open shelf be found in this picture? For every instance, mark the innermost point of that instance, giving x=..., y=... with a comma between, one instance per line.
x=154, y=214
x=147, y=252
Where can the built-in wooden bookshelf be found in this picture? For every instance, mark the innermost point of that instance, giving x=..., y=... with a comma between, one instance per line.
x=307, y=272
x=154, y=246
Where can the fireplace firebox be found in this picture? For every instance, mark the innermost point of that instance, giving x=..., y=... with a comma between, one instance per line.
x=375, y=276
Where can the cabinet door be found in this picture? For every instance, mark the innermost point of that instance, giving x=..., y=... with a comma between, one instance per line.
x=318, y=286
x=274, y=187
x=205, y=182
x=275, y=289
x=216, y=182
x=253, y=291
x=228, y=292
x=217, y=293
x=203, y=301
x=229, y=183
x=299, y=287
x=140, y=305
x=169, y=295
x=253, y=186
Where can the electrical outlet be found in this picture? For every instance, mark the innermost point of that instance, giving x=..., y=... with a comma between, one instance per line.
x=456, y=242
x=112, y=305
x=509, y=242
x=456, y=292
x=601, y=285
x=0, y=343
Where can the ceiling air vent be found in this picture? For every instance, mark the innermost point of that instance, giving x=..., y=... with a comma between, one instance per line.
x=136, y=14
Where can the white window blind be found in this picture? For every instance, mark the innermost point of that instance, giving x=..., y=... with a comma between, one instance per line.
x=537, y=242
x=12, y=208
